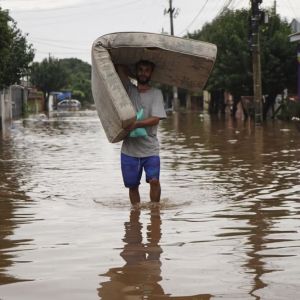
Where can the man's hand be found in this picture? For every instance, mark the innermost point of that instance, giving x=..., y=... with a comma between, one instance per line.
x=131, y=127
x=152, y=121
x=123, y=72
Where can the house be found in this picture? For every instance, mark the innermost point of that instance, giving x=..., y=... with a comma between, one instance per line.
x=295, y=25
x=295, y=37
x=35, y=101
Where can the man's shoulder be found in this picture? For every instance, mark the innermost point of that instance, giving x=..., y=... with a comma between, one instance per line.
x=131, y=88
x=155, y=91
x=132, y=85
x=153, y=88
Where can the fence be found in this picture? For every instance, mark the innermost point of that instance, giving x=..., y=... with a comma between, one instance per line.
x=5, y=111
x=12, y=102
x=18, y=96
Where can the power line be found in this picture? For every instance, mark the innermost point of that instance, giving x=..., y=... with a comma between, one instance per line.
x=239, y=2
x=236, y=3
x=231, y=4
x=39, y=16
x=196, y=17
x=59, y=46
x=57, y=41
x=60, y=52
x=224, y=8
x=67, y=8
x=49, y=9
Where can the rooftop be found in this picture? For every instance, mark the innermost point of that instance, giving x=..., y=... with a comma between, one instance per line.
x=295, y=25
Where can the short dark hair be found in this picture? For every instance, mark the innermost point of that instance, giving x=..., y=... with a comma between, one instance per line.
x=144, y=62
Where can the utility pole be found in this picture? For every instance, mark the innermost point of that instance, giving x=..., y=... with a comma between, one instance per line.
x=298, y=59
x=256, y=16
x=172, y=13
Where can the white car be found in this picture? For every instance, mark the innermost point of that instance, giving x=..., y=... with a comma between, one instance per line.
x=69, y=104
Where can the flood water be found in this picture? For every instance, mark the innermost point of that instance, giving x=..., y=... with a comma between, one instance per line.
x=227, y=227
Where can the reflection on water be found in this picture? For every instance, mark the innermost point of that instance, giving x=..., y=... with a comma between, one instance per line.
x=141, y=274
x=256, y=173
x=140, y=277
x=227, y=227
x=12, y=198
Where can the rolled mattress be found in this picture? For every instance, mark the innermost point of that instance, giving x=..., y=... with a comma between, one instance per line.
x=180, y=62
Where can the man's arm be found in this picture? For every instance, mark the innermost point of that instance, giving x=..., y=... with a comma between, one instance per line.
x=123, y=72
x=152, y=121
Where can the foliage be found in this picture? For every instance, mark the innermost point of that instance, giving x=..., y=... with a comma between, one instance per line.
x=69, y=74
x=15, y=52
x=48, y=76
x=289, y=109
x=233, y=68
x=79, y=78
x=279, y=67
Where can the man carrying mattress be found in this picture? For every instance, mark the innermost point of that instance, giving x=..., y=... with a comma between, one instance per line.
x=140, y=149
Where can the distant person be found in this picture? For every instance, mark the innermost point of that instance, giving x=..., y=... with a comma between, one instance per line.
x=141, y=153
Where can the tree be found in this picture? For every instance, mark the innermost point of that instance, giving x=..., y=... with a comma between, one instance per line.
x=15, y=52
x=233, y=68
x=279, y=67
x=69, y=74
x=48, y=76
x=79, y=74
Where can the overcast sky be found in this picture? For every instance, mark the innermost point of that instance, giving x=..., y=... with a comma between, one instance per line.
x=67, y=28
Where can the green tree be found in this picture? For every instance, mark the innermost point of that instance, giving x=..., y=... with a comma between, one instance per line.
x=233, y=68
x=69, y=74
x=48, y=76
x=15, y=52
x=79, y=74
x=278, y=56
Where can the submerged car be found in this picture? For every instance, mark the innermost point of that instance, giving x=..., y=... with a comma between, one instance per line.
x=69, y=104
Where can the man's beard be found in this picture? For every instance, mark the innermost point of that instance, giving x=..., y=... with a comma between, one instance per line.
x=143, y=79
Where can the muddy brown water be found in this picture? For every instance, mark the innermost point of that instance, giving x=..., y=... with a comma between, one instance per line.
x=227, y=227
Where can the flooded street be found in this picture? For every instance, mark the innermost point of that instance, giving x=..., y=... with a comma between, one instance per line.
x=227, y=227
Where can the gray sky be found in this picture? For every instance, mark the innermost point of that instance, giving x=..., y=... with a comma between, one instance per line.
x=67, y=28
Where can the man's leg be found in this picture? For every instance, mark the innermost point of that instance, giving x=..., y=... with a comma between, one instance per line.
x=155, y=190
x=152, y=170
x=134, y=195
x=131, y=172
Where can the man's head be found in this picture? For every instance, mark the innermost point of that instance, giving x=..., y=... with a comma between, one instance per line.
x=144, y=69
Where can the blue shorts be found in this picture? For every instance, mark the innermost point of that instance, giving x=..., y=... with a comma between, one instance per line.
x=132, y=169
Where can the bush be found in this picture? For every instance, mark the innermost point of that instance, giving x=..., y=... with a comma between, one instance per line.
x=289, y=109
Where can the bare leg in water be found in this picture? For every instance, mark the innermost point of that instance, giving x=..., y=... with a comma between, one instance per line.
x=155, y=190
x=134, y=195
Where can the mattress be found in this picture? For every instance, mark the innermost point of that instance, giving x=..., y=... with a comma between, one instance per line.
x=180, y=62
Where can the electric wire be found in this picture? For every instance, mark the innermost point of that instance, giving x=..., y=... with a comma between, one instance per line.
x=59, y=46
x=56, y=41
x=238, y=4
x=113, y=5
x=68, y=12
x=66, y=16
x=224, y=8
x=196, y=17
x=54, y=53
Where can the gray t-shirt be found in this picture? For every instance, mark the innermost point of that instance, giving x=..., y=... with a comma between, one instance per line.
x=152, y=103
